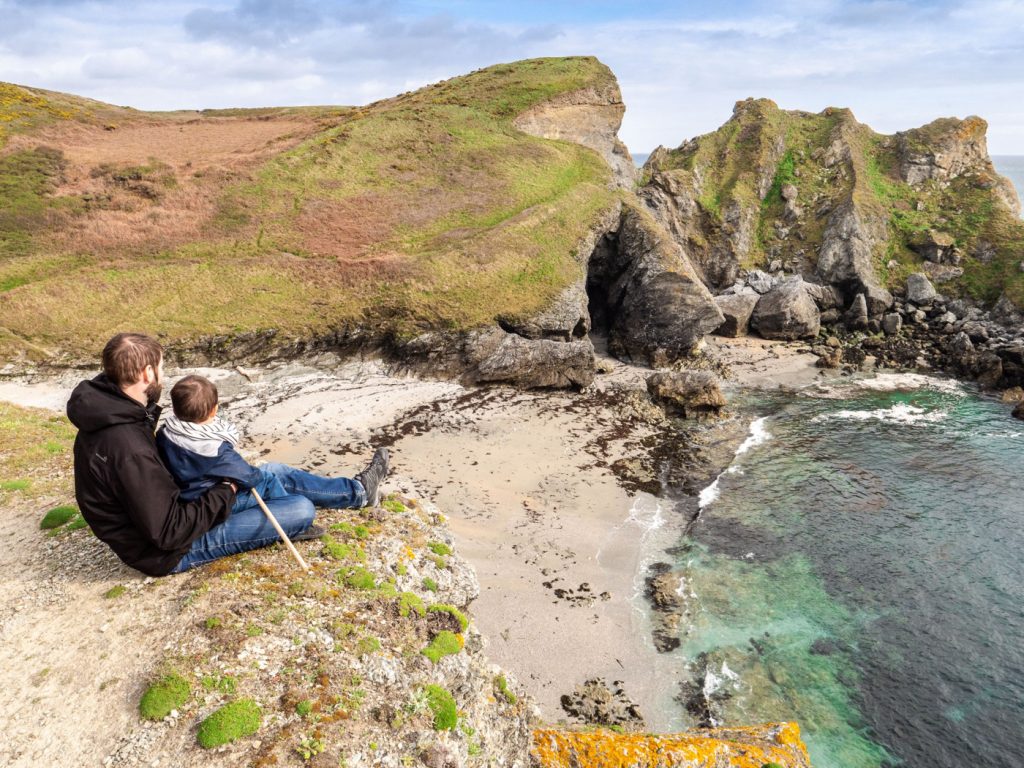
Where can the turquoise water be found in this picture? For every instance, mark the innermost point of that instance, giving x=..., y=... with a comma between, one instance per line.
x=860, y=571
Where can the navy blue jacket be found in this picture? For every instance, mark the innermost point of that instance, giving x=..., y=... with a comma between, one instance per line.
x=195, y=473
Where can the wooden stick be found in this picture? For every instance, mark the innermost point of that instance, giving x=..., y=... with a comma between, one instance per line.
x=280, y=531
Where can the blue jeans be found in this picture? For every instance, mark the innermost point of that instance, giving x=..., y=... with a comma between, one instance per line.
x=290, y=494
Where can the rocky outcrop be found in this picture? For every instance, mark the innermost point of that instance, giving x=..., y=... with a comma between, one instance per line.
x=590, y=117
x=737, y=309
x=787, y=311
x=774, y=744
x=920, y=290
x=656, y=307
x=495, y=356
x=690, y=394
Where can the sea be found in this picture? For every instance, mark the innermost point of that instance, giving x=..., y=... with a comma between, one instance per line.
x=859, y=568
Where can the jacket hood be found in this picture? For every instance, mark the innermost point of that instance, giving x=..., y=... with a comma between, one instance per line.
x=96, y=404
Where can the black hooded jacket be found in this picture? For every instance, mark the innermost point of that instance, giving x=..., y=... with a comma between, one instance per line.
x=125, y=492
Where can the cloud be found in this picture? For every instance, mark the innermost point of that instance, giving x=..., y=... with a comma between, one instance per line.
x=896, y=63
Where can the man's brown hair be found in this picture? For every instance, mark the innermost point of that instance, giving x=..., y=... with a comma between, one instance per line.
x=126, y=356
x=194, y=398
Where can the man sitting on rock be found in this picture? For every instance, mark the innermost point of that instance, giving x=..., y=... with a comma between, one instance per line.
x=132, y=502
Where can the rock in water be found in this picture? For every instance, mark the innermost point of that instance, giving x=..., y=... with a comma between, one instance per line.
x=690, y=393
x=787, y=311
x=920, y=290
x=737, y=308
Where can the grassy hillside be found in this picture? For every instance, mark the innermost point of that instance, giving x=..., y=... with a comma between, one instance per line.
x=425, y=211
x=763, y=148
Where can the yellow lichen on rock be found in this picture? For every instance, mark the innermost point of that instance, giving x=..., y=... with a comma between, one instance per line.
x=749, y=747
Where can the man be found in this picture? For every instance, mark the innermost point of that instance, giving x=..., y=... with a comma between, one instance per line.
x=132, y=502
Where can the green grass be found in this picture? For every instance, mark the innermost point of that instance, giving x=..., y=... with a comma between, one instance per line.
x=115, y=592
x=35, y=453
x=439, y=548
x=429, y=584
x=168, y=693
x=233, y=721
x=501, y=684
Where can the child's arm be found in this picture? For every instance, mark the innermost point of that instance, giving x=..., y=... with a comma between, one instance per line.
x=229, y=465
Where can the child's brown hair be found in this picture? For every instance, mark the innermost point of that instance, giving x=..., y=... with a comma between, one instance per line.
x=194, y=398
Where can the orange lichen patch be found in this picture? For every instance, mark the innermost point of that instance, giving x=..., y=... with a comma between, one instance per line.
x=750, y=747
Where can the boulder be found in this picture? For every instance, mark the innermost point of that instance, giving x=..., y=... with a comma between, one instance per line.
x=937, y=247
x=787, y=311
x=760, y=281
x=892, y=323
x=920, y=290
x=856, y=316
x=1018, y=411
x=690, y=394
x=567, y=318
x=496, y=356
x=737, y=309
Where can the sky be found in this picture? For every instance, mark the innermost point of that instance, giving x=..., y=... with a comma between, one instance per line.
x=681, y=65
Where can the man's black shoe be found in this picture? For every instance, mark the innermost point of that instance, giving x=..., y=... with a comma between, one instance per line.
x=374, y=475
x=313, y=532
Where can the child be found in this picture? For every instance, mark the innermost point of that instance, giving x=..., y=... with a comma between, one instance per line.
x=198, y=448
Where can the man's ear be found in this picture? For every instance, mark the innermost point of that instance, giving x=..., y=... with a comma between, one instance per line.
x=149, y=374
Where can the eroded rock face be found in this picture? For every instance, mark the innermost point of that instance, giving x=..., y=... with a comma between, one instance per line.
x=566, y=319
x=658, y=309
x=690, y=394
x=845, y=258
x=787, y=311
x=590, y=117
x=597, y=703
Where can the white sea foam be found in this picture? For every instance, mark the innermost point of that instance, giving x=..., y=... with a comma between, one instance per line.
x=887, y=382
x=715, y=682
x=759, y=435
x=646, y=513
x=898, y=413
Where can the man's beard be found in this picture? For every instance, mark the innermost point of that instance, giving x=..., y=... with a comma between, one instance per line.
x=153, y=392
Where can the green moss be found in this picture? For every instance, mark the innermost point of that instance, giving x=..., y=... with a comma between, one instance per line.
x=226, y=684
x=409, y=602
x=429, y=584
x=367, y=645
x=501, y=684
x=357, y=578
x=168, y=693
x=445, y=643
x=335, y=550
x=212, y=622
x=232, y=721
x=57, y=517
x=15, y=485
x=452, y=611
x=393, y=505
x=115, y=592
x=77, y=523
x=388, y=590
x=304, y=707
x=439, y=548
x=442, y=705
